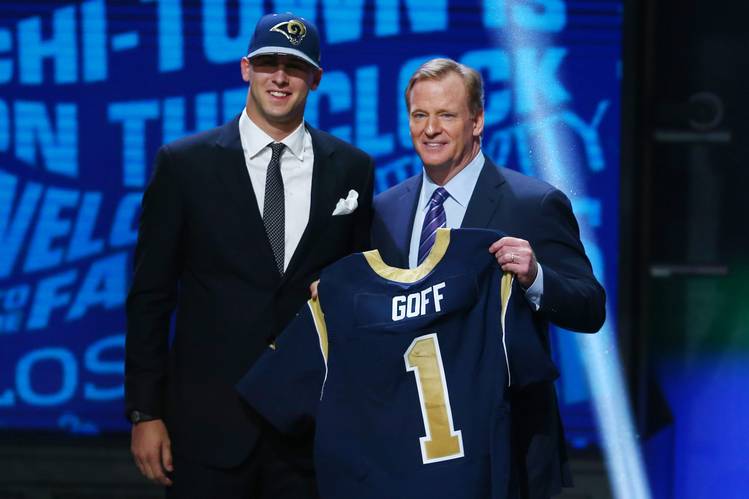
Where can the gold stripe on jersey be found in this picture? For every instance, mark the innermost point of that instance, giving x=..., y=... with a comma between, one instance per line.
x=322, y=330
x=505, y=292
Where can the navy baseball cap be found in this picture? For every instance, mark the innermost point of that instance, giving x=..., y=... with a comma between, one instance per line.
x=286, y=34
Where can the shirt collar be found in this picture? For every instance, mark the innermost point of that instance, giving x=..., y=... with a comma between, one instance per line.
x=460, y=187
x=254, y=139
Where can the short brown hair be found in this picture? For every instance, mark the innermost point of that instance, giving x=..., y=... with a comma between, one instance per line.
x=437, y=69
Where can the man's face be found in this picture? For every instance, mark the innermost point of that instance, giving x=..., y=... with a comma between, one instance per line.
x=279, y=85
x=445, y=135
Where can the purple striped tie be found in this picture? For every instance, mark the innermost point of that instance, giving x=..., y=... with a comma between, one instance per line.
x=433, y=220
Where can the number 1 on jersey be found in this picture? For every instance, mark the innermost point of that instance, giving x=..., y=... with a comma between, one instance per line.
x=442, y=441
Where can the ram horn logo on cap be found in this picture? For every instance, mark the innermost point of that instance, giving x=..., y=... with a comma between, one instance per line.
x=294, y=30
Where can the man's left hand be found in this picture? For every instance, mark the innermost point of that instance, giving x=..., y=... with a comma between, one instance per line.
x=516, y=256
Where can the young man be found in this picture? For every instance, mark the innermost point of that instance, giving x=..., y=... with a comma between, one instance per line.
x=236, y=223
x=460, y=187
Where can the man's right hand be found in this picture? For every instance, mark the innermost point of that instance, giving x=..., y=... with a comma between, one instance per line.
x=151, y=448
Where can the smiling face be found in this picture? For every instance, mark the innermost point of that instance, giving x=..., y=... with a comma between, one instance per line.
x=445, y=134
x=279, y=85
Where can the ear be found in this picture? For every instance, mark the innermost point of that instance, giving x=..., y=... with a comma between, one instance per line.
x=244, y=65
x=316, y=77
x=478, y=124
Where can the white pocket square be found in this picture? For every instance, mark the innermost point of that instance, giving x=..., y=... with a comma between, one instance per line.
x=348, y=205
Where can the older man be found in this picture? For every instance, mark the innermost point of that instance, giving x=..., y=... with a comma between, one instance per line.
x=237, y=222
x=460, y=187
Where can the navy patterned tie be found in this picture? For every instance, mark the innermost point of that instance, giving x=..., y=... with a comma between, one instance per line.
x=273, y=206
x=433, y=220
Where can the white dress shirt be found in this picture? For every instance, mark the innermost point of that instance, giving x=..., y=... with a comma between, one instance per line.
x=460, y=189
x=297, y=159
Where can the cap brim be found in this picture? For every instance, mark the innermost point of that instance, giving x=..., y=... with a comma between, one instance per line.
x=283, y=50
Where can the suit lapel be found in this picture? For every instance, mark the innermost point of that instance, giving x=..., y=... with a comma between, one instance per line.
x=409, y=199
x=325, y=185
x=485, y=198
x=232, y=172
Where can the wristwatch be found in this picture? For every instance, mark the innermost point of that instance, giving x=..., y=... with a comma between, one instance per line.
x=138, y=417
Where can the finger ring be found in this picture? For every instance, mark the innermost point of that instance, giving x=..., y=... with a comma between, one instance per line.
x=513, y=257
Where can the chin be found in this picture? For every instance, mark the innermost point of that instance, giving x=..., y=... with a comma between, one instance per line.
x=432, y=161
x=280, y=115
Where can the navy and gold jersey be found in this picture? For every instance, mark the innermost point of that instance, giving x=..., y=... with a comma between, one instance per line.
x=406, y=374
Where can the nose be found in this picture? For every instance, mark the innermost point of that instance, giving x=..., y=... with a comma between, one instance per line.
x=280, y=77
x=432, y=126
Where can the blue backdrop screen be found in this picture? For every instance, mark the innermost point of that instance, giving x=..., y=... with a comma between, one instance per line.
x=89, y=90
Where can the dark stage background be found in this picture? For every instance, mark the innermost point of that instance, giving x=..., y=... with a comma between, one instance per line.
x=584, y=94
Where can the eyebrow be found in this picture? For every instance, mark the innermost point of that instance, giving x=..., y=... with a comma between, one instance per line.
x=438, y=111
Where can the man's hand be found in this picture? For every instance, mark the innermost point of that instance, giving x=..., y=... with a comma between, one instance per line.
x=313, y=289
x=516, y=256
x=152, y=450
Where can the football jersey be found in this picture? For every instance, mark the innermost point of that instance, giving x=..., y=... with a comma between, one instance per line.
x=405, y=374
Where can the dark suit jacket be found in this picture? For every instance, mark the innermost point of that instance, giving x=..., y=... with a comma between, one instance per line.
x=533, y=210
x=202, y=249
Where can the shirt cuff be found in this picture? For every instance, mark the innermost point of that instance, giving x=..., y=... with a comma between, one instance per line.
x=536, y=290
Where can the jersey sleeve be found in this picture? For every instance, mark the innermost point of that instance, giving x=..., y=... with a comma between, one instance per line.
x=528, y=357
x=285, y=384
